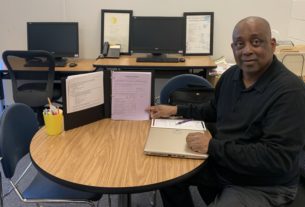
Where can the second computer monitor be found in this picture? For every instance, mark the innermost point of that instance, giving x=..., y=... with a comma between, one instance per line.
x=157, y=35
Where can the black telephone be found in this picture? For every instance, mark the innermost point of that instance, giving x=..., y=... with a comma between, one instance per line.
x=111, y=51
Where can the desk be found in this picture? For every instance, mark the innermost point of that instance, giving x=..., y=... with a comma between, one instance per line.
x=107, y=157
x=129, y=62
x=83, y=66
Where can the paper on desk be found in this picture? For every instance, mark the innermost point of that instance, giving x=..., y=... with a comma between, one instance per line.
x=131, y=95
x=173, y=124
x=84, y=91
x=222, y=66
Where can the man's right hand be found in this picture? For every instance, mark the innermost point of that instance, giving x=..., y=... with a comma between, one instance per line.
x=162, y=111
x=199, y=141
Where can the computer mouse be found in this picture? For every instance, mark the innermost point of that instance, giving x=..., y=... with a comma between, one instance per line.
x=181, y=60
x=72, y=64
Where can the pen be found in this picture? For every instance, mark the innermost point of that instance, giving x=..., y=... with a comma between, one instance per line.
x=203, y=126
x=183, y=121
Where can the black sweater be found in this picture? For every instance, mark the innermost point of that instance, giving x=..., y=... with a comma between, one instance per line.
x=260, y=130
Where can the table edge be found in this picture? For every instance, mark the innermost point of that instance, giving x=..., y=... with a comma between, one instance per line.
x=121, y=190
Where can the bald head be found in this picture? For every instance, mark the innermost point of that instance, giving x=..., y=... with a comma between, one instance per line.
x=253, y=46
x=253, y=20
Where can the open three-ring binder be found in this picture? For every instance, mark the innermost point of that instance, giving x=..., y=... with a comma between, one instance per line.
x=120, y=95
x=86, y=98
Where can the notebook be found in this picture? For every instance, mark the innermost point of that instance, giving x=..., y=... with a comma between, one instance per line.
x=170, y=142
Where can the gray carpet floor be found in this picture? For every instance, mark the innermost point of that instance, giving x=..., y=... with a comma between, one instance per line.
x=138, y=200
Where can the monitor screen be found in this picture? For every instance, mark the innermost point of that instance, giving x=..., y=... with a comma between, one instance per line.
x=58, y=38
x=157, y=35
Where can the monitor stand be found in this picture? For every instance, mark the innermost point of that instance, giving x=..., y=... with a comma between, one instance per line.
x=157, y=57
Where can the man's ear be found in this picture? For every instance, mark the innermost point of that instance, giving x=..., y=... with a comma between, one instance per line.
x=232, y=46
x=273, y=44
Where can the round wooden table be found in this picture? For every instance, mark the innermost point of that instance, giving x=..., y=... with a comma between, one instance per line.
x=107, y=156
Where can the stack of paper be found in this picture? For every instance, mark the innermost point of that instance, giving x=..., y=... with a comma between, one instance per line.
x=131, y=95
x=178, y=124
x=84, y=91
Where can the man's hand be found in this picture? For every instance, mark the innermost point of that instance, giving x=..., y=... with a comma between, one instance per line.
x=162, y=111
x=199, y=141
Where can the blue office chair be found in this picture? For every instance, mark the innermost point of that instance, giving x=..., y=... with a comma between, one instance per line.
x=184, y=89
x=183, y=81
x=17, y=127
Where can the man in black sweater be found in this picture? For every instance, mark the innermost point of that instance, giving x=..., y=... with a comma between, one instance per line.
x=259, y=110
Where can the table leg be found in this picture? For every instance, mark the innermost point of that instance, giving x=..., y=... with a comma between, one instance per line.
x=124, y=200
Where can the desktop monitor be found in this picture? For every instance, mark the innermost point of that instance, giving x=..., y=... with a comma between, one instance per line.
x=58, y=38
x=157, y=35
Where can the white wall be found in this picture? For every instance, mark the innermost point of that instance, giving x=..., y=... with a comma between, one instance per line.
x=15, y=13
x=297, y=22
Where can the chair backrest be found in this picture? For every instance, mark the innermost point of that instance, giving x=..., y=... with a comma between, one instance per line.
x=183, y=82
x=294, y=61
x=18, y=125
x=40, y=65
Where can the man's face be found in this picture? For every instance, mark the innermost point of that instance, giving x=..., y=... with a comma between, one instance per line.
x=252, y=47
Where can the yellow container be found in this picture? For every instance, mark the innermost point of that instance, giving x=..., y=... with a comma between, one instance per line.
x=54, y=124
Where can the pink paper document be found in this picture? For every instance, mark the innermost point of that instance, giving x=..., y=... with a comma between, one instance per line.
x=131, y=95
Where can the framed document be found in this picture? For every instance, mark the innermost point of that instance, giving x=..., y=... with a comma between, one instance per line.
x=199, y=33
x=115, y=28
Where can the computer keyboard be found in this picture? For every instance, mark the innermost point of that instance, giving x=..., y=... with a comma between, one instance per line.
x=35, y=63
x=157, y=60
x=60, y=63
x=40, y=63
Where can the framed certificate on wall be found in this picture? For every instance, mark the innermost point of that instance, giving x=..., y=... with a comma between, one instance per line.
x=115, y=28
x=199, y=33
